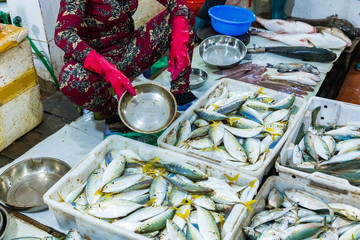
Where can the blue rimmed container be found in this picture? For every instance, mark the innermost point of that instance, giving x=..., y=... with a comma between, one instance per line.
x=231, y=20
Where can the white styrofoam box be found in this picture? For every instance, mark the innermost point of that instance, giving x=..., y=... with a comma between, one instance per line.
x=31, y=16
x=332, y=112
x=50, y=10
x=14, y=62
x=327, y=191
x=214, y=92
x=20, y=115
x=95, y=228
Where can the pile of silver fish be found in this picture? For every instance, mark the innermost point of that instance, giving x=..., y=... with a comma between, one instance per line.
x=333, y=150
x=295, y=214
x=239, y=128
x=158, y=198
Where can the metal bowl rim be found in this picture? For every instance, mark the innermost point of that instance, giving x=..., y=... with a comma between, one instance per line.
x=23, y=161
x=204, y=78
x=5, y=215
x=225, y=36
x=147, y=132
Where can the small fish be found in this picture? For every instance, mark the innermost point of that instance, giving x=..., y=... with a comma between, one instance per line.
x=209, y=115
x=251, y=114
x=184, y=169
x=295, y=67
x=112, y=209
x=281, y=26
x=158, y=190
x=284, y=104
x=252, y=148
x=174, y=232
x=207, y=224
x=233, y=147
x=184, y=132
x=114, y=169
x=275, y=198
x=155, y=223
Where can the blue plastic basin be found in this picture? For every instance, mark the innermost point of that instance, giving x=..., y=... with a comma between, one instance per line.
x=231, y=20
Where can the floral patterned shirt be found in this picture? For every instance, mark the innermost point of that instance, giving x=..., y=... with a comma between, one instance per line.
x=84, y=25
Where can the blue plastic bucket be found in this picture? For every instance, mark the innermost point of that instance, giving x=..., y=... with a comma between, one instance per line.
x=231, y=20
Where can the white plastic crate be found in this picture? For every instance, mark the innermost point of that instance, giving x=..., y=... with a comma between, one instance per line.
x=214, y=92
x=329, y=192
x=332, y=112
x=94, y=228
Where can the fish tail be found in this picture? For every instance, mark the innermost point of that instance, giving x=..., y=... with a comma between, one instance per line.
x=261, y=90
x=252, y=183
x=232, y=179
x=148, y=165
x=248, y=205
x=150, y=202
x=215, y=106
x=61, y=199
x=184, y=216
x=99, y=192
x=232, y=120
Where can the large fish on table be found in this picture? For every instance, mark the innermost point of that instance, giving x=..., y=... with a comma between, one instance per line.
x=324, y=40
x=333, y=21
x=314, y=54
x=282, y=26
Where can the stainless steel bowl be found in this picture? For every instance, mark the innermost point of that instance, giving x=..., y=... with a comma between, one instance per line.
x=4, y=223
x=198, y=78
x=23, y=185
x=150, y=111
x=222, y=51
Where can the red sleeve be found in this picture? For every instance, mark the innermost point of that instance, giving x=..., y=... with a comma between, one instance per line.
x=176, y=7
x=67, y=27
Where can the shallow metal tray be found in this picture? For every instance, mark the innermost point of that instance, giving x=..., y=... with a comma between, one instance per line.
x=198, y=78
x=23, y=185
x=150, y=111
x=222, y=51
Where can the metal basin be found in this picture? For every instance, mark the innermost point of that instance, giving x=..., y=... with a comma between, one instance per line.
x=150, y=111
x=222, y=51
x=4, y=223
x=23, y=185
x=198, y=78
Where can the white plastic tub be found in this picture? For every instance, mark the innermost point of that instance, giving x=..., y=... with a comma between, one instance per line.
x=214, y=92
x=332, y=112
x=327, y=191
x=94, y=228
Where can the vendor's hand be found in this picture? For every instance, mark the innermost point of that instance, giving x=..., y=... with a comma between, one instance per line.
x=178, y=60
x=179, y=55
x=120, y=83
x=96, y=63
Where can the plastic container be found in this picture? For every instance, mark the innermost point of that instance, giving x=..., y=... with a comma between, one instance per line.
x=327, y=191
x=195, y=5
x=332, y=112
x=231, y=20
x=67, y=217
x=215, y=92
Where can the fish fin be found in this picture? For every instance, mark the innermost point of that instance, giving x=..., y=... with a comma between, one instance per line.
x=177, y=209
x=260, y=91
x=61, y=199
x=232, y=120
x=150, y=202
x=186, y=201
x=221, y=220
x=251, y=184
x=108, y=195
x=269, y=129
x=184, y=216
x=148, y=165
x=232, y=179
x=99, y=192
x=215, y=106
x=352, y=237
x=310, y=43
x=196, y=196
x=248, y=205
x=215, y=148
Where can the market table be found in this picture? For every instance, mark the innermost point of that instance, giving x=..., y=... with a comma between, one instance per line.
x=74, y=141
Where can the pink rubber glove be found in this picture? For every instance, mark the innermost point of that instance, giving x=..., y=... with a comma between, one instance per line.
x=179, y=56
x=97, y=63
